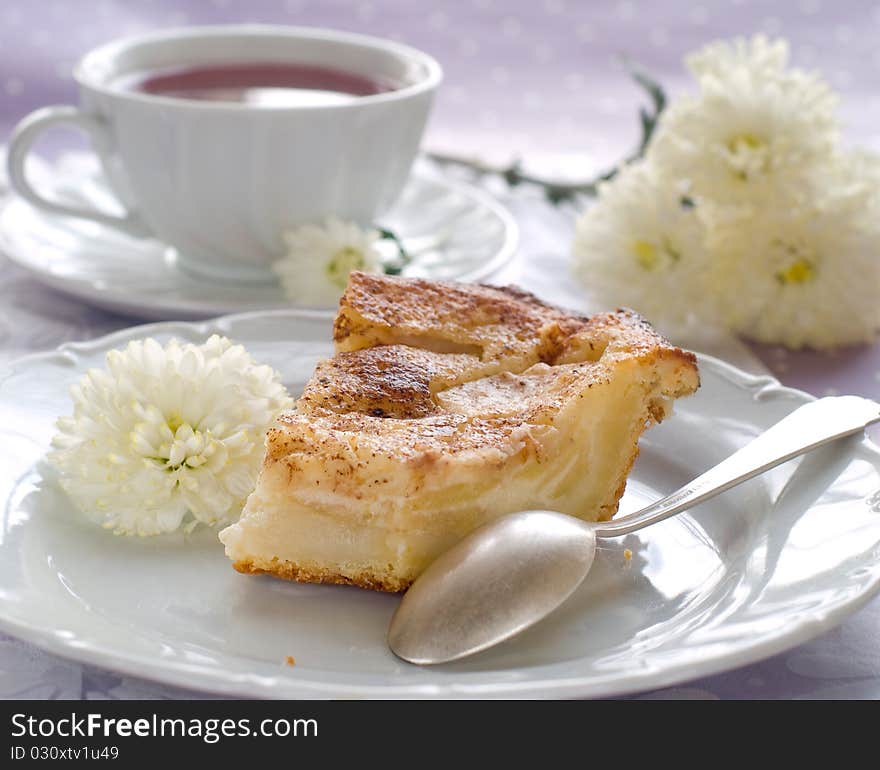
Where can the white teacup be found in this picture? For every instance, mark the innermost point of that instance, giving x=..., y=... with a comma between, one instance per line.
x=220, y=181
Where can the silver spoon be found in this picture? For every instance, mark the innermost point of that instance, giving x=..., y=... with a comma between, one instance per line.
x=510, y=573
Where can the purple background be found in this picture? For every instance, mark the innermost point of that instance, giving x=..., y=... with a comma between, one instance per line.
x=538, y=78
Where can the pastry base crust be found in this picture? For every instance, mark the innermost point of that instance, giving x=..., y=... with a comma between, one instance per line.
x=289, y=571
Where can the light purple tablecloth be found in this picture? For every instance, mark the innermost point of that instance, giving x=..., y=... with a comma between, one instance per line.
x=537, y=79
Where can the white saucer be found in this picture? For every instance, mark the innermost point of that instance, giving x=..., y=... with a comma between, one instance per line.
x=454, y=231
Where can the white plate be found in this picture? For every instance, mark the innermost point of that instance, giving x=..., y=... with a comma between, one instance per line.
x=453, y=230
x=754, y=572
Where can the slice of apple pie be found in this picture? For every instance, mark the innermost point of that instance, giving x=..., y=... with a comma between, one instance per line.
x=445, y=406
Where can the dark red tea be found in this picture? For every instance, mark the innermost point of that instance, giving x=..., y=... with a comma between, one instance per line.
x=260, y=83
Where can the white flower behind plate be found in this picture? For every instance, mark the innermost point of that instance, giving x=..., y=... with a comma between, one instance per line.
x=803, y=271
x=165, y=437
x=314, y=271
x=780, y=241
x=759, y=55
x=753, y=129
x=640, y=245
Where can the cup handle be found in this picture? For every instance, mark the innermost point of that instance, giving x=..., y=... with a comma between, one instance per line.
x=23, y=138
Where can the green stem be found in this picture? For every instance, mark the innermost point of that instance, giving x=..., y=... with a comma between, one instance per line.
x=514, y=175
x=403, y=256
x=557, y=191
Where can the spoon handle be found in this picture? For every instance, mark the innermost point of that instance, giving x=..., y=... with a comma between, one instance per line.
x=807, y=427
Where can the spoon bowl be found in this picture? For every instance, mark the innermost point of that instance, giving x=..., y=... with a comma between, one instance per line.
x=507, y=575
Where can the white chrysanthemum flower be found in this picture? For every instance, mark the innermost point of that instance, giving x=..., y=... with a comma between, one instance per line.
x=753, y=130
x=167, y=436
x=641, y=247
x=320, y=257
x=757, y=54
x=804, y=272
